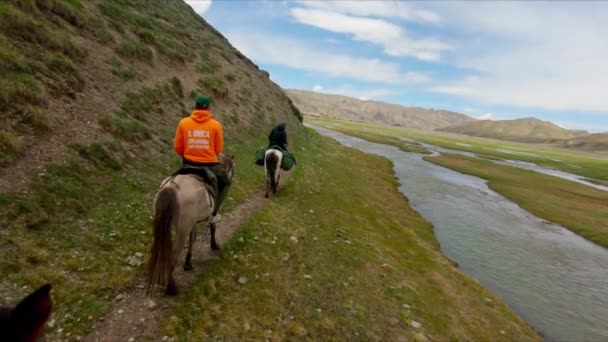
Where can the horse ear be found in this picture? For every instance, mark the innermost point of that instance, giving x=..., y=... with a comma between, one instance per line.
x=32, y=312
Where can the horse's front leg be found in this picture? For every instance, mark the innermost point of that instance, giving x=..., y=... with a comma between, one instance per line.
x=214, y=245
x=188, y=262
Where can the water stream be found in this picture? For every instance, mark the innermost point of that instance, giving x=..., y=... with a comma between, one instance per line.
x=551, y=277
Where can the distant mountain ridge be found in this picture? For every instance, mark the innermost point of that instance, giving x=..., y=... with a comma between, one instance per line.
x=531, y=130
x=343, y=107
x=592, y=142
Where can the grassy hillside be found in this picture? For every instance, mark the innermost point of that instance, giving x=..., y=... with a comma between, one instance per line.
x=307, y=268
x=94, y=86
x=343, y=107
x=90, y=95
x=592, y=142
x=529, y=130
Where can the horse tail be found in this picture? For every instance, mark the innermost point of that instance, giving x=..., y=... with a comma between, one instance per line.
x=160, y=263
x=272, y=161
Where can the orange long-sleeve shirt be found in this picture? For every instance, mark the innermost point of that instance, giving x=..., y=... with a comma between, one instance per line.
x=199, y=138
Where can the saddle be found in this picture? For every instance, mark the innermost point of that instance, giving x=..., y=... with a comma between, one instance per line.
x=204, y=175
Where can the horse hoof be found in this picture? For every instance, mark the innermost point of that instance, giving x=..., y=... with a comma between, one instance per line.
x=215, y=247
x=171, y=291
x=188, y=267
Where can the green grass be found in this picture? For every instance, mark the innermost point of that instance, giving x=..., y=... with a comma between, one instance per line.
x=577, y=207
x=135, y=51
x=134, y=16
x=207, y=65
x=213, y=84
x=380, y=139
x=338, y=255
x=125, y=72
x=11, y=147
x=590, y=165
x=580, y=208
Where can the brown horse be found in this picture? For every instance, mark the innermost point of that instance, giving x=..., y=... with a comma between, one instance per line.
x=182, y=202
x=25, y=322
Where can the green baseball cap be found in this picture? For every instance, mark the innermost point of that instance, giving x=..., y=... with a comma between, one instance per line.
x=203, y=101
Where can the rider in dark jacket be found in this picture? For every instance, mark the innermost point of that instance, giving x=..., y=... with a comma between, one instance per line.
x=278, y=136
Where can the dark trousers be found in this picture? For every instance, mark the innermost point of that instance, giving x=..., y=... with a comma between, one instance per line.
x=223, y=181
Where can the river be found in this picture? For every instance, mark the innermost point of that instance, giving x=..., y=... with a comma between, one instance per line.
x=552, y=278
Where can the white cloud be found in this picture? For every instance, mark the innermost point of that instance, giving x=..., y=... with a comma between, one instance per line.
x=393, y=38
x=487, y=116
x=364, y=94
x=553, y=56
x=274, y=49
x=386, y=9
x=200, y=6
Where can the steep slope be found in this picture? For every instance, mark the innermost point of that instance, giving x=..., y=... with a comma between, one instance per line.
x=523, y=130
x=593, y=142
x=337, y=106
x=76, y=73
x=90, y=95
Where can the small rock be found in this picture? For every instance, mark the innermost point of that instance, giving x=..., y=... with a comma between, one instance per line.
x=121, y=296
x=294, y=239
x=135, y=261
x=132, y=339
x=387, y=266
x=151, y=304
x=488, y=301
x=243, y=280
x=405, y=306
x=165, y=338
x=121, y=311
x=416, y=325
x=51, y=324
x=90, y=318
x=311, y=211
x=502, y=332
x=308, y=276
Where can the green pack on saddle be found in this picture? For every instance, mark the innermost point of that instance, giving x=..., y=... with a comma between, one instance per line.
x=259, y=155
x=288, y=160
x=286, y=163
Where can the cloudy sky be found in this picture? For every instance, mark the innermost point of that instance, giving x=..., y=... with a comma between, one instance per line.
x=496, y=60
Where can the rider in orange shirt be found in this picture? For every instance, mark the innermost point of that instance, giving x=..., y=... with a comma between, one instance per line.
x=199, y=140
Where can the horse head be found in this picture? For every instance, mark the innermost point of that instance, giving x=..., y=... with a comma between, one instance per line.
x=227, y=161
x=25, y=322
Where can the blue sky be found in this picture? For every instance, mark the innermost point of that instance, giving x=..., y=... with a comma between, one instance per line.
x=496, y=60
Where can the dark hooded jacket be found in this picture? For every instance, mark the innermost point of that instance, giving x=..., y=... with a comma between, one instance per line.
x=278, y=137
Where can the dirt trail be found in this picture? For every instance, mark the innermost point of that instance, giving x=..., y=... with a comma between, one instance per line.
x=137, y=317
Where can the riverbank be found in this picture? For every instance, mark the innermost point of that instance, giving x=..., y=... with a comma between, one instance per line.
x=340, y=255
x=580, y=208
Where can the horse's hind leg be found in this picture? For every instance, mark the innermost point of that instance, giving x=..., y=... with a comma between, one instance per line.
x=267, y=187
x=180, y=241
x=188, y=262
x=214, y=245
